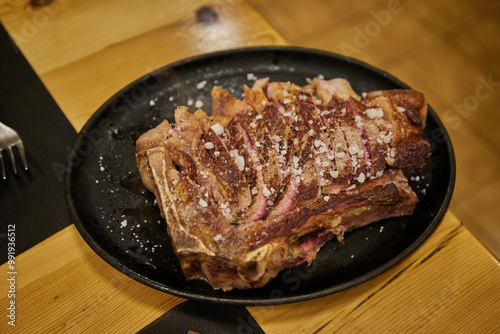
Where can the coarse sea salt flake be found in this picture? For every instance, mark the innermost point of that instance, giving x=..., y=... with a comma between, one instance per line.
x=361, y=178
x=201, y=84
x=371, y=113
x=218, y=129
x=240, y=162
x=353, y=149
x=251, y=77
x=202, y=203
x=198, y=104
x=209, y=145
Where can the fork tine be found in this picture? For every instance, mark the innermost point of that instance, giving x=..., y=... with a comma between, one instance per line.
x=9, y=139
x=20, y=149
x=4, y=176
x=12, y=158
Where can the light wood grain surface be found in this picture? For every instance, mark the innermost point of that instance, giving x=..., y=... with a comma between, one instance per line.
x=86, y=51
x=116, y=42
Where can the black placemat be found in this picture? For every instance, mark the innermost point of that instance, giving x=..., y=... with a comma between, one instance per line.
x=32, y=202
x=201, y=318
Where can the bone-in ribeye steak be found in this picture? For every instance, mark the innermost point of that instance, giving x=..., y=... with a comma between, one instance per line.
x=262, y=184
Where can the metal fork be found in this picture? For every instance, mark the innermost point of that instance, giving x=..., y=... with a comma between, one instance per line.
x=8, y=140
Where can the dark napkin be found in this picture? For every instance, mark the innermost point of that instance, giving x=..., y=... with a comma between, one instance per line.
x=31, y=203
x=201, y=318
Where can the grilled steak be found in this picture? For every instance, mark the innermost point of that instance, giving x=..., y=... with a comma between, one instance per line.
x=266, y=181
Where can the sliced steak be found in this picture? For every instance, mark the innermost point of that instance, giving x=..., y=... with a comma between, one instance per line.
x=325, y=160
x=251, y=132
x=276, y=124
x=192, y=153
x=339, y=147
x=375, y=143
x=262, y=184
x=224, y=162
x=303, y=182
x=353, y=133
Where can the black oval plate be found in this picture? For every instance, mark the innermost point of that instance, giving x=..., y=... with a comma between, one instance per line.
x=118, y=217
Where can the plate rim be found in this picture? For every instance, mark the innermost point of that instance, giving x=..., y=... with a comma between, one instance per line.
x=247, y=301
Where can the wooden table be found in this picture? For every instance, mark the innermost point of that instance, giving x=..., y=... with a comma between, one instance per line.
x=80, y=49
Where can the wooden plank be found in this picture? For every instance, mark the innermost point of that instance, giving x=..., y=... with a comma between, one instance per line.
x=63, y=286
x=77, y=289
x=65, y=31
x=450, y=284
